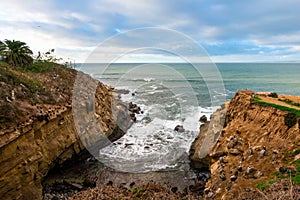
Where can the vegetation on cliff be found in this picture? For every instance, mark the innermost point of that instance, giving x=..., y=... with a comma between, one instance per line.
x=286, y=107
x=37, y=126
x=22, y=88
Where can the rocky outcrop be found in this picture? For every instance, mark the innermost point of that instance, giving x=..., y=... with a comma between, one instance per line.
x=209, y=133
x=249, y=149
x=49, y=138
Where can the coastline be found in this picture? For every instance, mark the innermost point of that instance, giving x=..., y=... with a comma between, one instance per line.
x=184, y=179
x=46, y=140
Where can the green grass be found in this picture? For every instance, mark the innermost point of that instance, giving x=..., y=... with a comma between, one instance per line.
x=294, y=175
x=287, y=101
x=43, y=66
x=296, y=178
x=137, y=191
x=289, y=154
x=257, y=100
x=9, y=77
x=264, y=185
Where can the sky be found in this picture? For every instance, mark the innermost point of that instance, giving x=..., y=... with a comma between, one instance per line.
x=229, y=31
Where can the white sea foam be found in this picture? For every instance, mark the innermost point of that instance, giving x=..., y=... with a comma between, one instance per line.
x=151, y=143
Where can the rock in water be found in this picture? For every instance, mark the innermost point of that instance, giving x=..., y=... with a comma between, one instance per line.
x=179, y=128
x=203, y=119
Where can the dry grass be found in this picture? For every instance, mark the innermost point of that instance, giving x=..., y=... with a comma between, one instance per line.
x=282, y=190
x=149, y=191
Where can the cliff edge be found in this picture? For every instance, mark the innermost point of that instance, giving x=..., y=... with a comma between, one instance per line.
x=37, y=130
x=256, y=153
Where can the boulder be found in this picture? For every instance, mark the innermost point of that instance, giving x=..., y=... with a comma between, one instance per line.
x=179, y=128
x=203, y=119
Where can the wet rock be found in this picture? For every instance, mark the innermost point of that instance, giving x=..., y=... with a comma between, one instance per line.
x=133, y=108
x=128, y=144
x=110, y=183
x=174, y=189
x=89, y=183
x=197, y=187
x=122, y=91
x=134, y=119
x=203, y=119
x=179, y=128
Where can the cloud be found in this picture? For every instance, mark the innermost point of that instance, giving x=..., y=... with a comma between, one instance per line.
x=230, y=28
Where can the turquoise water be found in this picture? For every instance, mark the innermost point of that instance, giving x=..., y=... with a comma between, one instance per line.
x=179, y=94
x=283, y=78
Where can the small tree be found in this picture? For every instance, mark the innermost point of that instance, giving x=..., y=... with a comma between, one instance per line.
x=47, y=56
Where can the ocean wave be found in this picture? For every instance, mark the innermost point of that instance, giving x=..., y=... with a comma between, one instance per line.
x=151, y=144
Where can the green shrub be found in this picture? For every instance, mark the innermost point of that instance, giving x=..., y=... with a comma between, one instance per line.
x=264, y=185
x=273, y=95
x=290, y=119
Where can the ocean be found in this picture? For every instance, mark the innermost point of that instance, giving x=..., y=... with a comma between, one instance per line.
x=172, y=94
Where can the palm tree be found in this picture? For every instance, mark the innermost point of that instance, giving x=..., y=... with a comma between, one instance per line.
x=16, y=53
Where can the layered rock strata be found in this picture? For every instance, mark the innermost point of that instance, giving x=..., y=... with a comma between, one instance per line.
x=49, y=137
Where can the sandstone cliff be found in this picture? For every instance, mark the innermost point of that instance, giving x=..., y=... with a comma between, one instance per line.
x=255, y=148
x=37, y=129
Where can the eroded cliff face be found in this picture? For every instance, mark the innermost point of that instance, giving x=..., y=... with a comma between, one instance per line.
x=26, y=159
x=253, y=144
x=48, y=138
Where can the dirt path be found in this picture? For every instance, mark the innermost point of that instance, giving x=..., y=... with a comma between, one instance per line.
x=277, y=101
